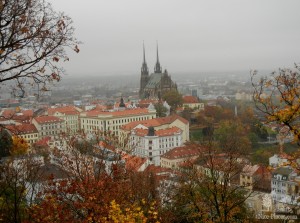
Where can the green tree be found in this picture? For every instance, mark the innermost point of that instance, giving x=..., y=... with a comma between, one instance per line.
x=33, y=41
x=173, y=98
x=6, y=143
x=232, y=136
x=160, y=110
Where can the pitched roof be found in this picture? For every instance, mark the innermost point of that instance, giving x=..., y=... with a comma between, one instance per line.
x=22, y=129
x=47, y=119
x=12, y=113
x=250, y=170
x=182, y=152
x=64, y=110
x=127, y=112
x=161, y=132
x=43, y=142
x=133, y=162
x=154, y=80
x=154, y=122
x=190, y=99
x=283, y=170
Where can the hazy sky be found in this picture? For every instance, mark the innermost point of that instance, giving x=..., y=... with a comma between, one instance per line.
x=193, y=35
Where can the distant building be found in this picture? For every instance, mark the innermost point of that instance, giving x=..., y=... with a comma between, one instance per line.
x=255, y=177
x=285, y=186
x=157, y=124
x=155, y=84
x=178, y=156
x=243, y=96
x=192, y=102
x=151, y=144
x=97, y=120
x=28, y=132
x=279, y=160
x=49, y=125
x=70, y=114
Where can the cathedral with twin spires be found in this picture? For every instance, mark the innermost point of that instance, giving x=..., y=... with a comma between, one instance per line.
x=155, y=85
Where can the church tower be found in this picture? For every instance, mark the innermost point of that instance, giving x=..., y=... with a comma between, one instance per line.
x=157, y=68
x=144, y=75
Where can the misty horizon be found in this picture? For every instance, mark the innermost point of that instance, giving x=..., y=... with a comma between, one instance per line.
x=193, y=36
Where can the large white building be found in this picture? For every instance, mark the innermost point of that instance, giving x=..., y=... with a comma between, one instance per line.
x=152, y=144
x=49, y=125
x=97, y=120
x=158, y=124
x=70, y=114
x=285, y=186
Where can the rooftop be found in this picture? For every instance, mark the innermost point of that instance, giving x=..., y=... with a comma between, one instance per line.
x=190, y=99
x=155, y=122
x=127, y=112
x=161, y=132
x=182, y=152
x=47, y=119
x=22, y=129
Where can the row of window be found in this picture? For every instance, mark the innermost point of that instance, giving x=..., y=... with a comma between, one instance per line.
x=119, y=121
x=29, y=136
x=51, y=127
x=50, y=133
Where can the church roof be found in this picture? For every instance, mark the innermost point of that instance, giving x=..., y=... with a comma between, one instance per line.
x=154, y=80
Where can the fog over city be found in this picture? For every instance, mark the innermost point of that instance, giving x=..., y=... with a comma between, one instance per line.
x=193, y=36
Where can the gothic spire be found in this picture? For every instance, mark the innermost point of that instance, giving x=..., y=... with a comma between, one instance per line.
x=144, y=69
x=157, y=68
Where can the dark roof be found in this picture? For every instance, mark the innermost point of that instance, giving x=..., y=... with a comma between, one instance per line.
x=154, y=80
x=283, y=171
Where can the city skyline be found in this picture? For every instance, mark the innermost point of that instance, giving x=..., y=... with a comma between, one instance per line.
x=193, y=36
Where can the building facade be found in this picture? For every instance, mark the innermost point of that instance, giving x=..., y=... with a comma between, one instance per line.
x=285, y=186
x=152, y=144
x=95, y=120
x=49, y=125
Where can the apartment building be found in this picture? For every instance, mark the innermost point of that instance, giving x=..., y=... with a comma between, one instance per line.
x=152, y=144
x=285, y=186
x=179, y=156
x=28, y=132
x=157, y=124
x=49, y=125
x=70, y=114
x=98, y=120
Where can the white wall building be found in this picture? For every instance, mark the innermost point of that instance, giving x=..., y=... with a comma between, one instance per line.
x=150, y=143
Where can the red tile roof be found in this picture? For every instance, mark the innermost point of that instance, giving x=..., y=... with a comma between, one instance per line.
x=190, y=99
x=128, y=112
x=47, y=119
x=250, y=170
x=64, y=110
x=43, y=141
x=155, y=122
x=22, y=129
x=9, y=113
x=157, y=170
x=133, y=163
x=161, y=132
x=182, y=152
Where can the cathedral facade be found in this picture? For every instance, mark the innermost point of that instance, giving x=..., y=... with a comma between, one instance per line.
x=156, y=84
